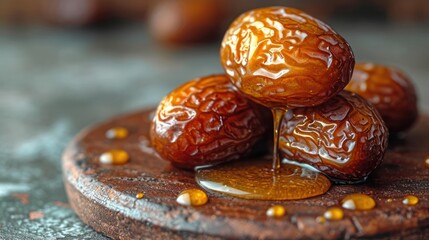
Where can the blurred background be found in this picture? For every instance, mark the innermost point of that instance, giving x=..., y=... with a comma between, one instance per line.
x=66, y=64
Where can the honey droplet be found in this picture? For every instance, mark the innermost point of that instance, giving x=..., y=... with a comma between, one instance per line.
x=117, y=133
x=192, y=197
x=321, y=219
x=255, y=179
x=334, y=213
x=276, y=211
x=410, y=200
x=115, y=157
x=139, y=195
x=358, y=201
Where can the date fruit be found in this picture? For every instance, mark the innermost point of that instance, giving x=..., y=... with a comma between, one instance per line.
x=345, y=138
x=206, y=121
x=75, y=13
x=180, y=22
x=282, y=57
x=390, y=91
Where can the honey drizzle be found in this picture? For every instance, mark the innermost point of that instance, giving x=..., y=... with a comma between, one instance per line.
x=256, y=180
x=278, y=114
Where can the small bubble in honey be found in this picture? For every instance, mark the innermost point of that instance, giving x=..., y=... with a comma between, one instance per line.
x=334, y=213
x=192, y=197
x=410, y=200
x=276, y=211
x=139, y=195
x=115, y=157
x=117, y=133
x=358, y=201
x=321, y=219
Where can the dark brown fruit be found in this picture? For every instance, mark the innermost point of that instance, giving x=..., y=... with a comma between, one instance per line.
x=206, y=121
x=390, y=91
x=282, y=57
x=129, y=9
x=177, y=22
x=74, y=13
x=345, y=137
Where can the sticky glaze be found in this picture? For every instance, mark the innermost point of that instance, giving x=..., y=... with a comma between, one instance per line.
x=282, y=57
x=390, y=90
x=206, y=121
x=344, y=138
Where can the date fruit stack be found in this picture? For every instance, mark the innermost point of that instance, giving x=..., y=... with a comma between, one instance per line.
x=284, y=60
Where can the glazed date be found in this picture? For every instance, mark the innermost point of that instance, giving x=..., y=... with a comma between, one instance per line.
x=206, y=121
x=345, y=138
x=390, y=91
x=283, y=57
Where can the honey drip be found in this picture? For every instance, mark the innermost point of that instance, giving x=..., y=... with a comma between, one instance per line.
x=410, y=200
x=117, y=133
x=192, y=197
x=254, y=179
x=276, y=211
x=139, y=195
x=334, y=213
x=358, y=201
x=277, y=117
x=115, y=157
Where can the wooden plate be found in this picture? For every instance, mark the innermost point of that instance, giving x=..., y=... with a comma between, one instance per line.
x=104, y=196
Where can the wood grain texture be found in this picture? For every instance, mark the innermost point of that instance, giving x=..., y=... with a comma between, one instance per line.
x=104, y=196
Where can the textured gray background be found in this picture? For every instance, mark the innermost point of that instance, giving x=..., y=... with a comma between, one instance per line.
x=54, y=83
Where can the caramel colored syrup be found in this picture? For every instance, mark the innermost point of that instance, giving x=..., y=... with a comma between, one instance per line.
x=278, y=114
x=276, y=211
x=117, y=133
x=254, y=179
x=358, y=201
x=115, y=157
x=334, y=214
x=140, y=195
x=410, y=200
x=260, y=179
x=192, y=197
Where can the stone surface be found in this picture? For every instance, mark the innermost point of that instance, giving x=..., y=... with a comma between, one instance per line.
x=53, y=83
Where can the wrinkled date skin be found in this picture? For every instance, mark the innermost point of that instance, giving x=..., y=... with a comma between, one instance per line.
x=345, y=138
x=282, y=57
x=390, y=91
x=207, y=121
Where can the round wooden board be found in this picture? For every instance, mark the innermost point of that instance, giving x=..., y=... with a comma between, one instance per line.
x=104, y=196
